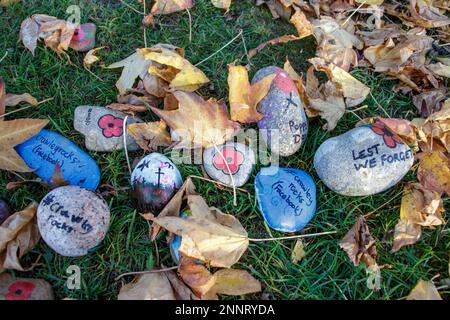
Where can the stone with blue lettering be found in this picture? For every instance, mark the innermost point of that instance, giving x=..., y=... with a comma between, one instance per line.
x=285, y=125
x=73, y=221
x=363, y=161
x=103, y=128
x=154, y=181
x=43, y=151
x=286, y=197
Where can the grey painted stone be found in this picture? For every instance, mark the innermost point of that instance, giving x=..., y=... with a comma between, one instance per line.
x=240, y=159
x=154, y=180
x=363, y=161
x=72, y=220
x=284, y=115
x=24, y=288
x=103, y=128
x=83, y=39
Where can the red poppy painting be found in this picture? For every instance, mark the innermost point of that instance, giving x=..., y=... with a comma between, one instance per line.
x=111, y=126
x=20, y=290
x=233, y=157
x=284, y=82
x=389, y=137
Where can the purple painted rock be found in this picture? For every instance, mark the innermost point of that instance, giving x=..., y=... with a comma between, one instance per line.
x=72, y=220
x=154, y=181
x=4, y=211
x=24, y=288
x=284, y=126
x=84, y=38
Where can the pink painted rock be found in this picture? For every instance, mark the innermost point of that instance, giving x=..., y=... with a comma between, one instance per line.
x=24, y=289
x=84, y=37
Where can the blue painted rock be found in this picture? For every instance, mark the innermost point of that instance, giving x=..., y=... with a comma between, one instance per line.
x=4, y=211
x=284, y=126
x=363, y=161
x=42, y=151
x=286, y=198
x=72, y=220
x=103, y=128
x=84, y=38
x=238, y=157
x=175, y=244
x=154, y=181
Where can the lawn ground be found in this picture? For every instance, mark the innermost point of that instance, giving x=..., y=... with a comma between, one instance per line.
x=324, y=273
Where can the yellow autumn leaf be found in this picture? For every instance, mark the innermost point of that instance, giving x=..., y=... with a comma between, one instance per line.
x=245, y=97
x=301, y=23
x=298, y=252
x=222, y=4
x=90, y=58
x=424, y=290
x=434, y=171
x=175, y=69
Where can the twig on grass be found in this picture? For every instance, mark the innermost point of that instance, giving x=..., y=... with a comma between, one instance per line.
x=293, y=237
x=132, y=8
x=125, y=143
x=226, y=45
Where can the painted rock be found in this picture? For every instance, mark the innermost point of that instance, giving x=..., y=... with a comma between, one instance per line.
x=237, y=157
x=42, y=151
x=176, y=242
x=363, y=161
x=4, y=211
x=72, y=220
x=103, y=128
x=284, y=126
x=154, y=181
x=84, y=38
x=24, y=288
x=286, y=197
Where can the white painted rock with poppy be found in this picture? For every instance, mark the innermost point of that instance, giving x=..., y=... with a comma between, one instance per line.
x=24, y=288
x=103, y=128
x=238, y=159
x=363, y=161
x=284, y=126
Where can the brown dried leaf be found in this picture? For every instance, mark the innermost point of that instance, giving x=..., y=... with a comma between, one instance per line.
x=429, y=101
x=18, y=235
x=434, y=171
x=13, y=133
x=423, y=14
x=151, y=286
x=298, y=252
x=359, y=244
x=301, y=23
x=403, y=128
x=245, y=97
x=127, y=108
x=406, y=233
x=207, y=234
x=424, y=290
x=196, y=276
x=170, y=6
x=150, y=136
x=12, y=100
x=90, y=58
x=57, y=179
x=198, y=122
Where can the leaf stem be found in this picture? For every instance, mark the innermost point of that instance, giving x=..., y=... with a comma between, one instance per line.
x=293, y=237
x=125, y=143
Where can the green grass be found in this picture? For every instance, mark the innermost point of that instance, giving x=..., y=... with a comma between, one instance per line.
x=324, y=273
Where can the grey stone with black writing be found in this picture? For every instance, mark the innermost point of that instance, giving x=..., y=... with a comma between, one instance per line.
x=363, y=161
x=284, y=126
x=103, y=128
x=237, y=157
x=72, y=220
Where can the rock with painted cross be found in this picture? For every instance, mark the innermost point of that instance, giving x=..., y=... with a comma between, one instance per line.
x=235, y=158
x=154, y=181
x=103, y=128
x=46, y=149
x=286, y=197
x=84, y=37
x=284, y=126
x=73, y=221
x=363, y=161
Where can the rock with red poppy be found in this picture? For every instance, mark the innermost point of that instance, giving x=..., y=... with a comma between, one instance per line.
x=24, y=288
x=4, y=211
x=103, y=128
x=236, y=159
x=284, y=126
x=154, y=181
x=83, y=39
x=363, y=161
x=73, y=221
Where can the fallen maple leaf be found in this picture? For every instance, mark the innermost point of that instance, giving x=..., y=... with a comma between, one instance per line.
x=12, y=100
x=359, y=244
x=298, y=252
x=424, y=290
x=90, y=58
x=207, y=234
x=198, y=122
x=13, y=133
x=150, y=136
x=18, y=235
x=175, y=69
x=245, y=97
